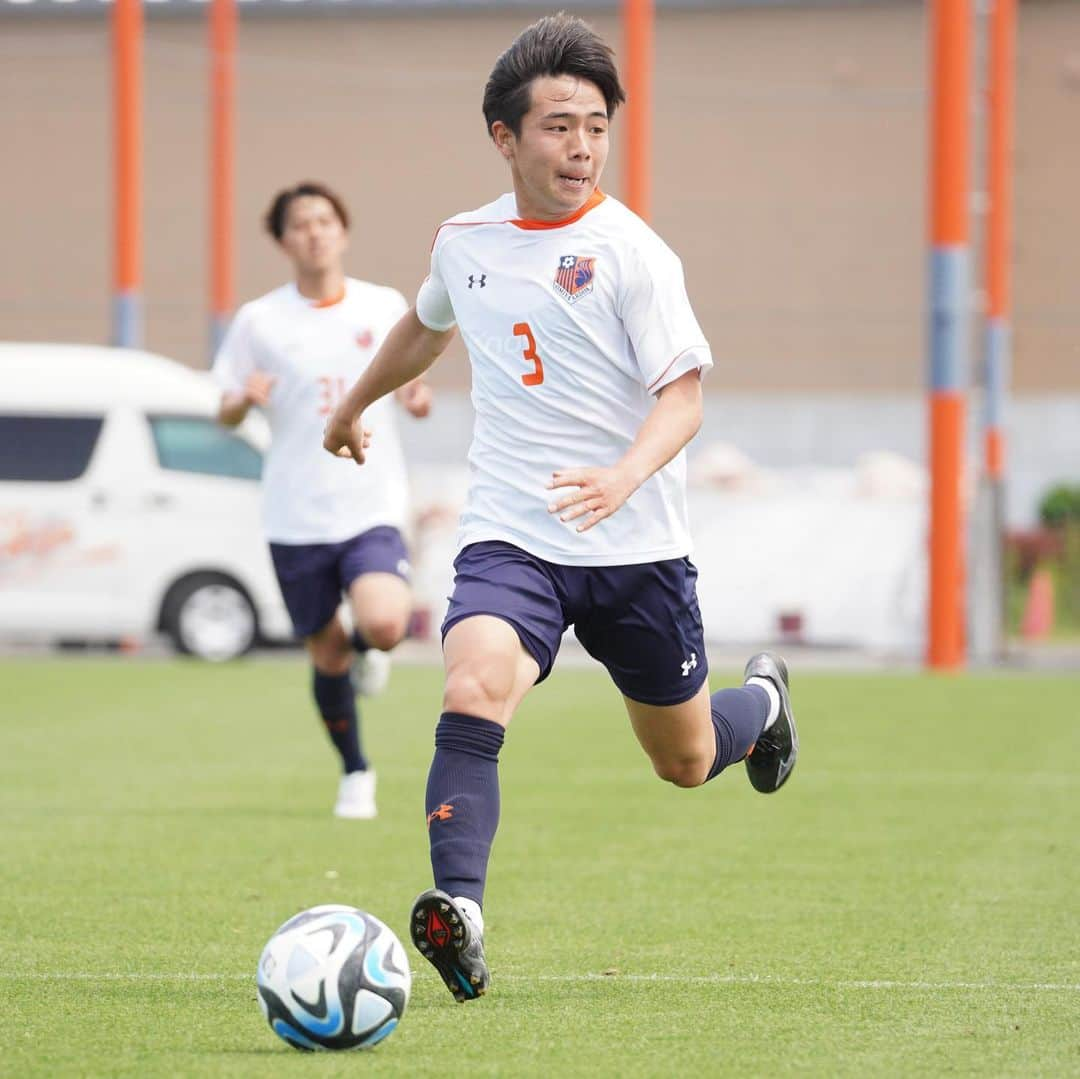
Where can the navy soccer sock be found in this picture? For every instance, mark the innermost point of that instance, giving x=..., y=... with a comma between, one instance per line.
x=462, y=802
x=337, y=706
x=738, y=717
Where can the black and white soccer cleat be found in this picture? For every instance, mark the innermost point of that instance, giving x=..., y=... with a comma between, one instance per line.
x=770, y=762
x=446, y=938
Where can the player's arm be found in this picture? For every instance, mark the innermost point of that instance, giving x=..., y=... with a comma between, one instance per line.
x=599, y=492
x=409, y=350
x=415, y=397
x=235, y=404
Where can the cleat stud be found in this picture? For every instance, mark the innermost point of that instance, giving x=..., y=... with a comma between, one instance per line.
x=444, y=907
x=475, y=979
x=454, y=919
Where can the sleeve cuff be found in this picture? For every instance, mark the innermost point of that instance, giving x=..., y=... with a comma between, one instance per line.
x=697, y=357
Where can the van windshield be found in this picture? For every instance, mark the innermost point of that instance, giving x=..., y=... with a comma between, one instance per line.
x=196, y=444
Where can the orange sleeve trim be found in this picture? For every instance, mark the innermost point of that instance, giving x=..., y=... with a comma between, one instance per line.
x=670, y=366
x=591, y=203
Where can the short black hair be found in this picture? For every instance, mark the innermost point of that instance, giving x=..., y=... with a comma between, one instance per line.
x=279, y=208
x=555, y=45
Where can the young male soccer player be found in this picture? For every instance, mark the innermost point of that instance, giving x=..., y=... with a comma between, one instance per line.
x=586, y=362
x=332, y=529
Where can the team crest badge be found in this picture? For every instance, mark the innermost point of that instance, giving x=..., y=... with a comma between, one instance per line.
x=574, y=277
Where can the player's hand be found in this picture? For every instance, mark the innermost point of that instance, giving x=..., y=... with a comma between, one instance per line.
x=416, y=397
x=345, y=438
x=257, y=388
x=598, y=492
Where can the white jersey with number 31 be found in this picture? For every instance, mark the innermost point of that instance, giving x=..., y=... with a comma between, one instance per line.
x=315, y=352
x=571, y=329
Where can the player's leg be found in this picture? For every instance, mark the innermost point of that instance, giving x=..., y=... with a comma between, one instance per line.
x=332, y=686
x=308, y=577
x=694, y=741
x=500, y=637
x=488, y=673
x=654, y=650
x=374, y=571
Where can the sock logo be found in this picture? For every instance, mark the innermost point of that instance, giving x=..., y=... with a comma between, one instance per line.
x=444, y=812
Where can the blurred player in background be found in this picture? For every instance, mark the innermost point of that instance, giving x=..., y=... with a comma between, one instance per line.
x=333, y=529
x=587, y=363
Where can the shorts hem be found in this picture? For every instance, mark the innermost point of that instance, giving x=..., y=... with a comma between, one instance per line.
x=669, y=700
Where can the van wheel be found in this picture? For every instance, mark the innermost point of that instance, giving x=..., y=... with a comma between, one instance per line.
x=209, y=616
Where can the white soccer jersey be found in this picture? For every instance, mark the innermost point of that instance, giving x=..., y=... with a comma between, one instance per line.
x=316, y=352
x=571, y=329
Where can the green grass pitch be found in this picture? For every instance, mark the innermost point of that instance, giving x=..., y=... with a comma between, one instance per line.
x=908, y=905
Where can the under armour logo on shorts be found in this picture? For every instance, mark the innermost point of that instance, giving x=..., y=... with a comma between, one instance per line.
x=689, y=665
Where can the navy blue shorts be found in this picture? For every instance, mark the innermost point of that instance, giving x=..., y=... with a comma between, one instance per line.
x=641, y=622
x=313, y=576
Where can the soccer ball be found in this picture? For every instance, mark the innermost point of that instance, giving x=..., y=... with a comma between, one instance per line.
x=333, y=978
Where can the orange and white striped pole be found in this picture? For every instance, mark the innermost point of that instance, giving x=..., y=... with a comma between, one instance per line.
x=127, y=32
x=222, y=95
x=988, y=586
x=999, y=233
x=950, y=307
x=638, y=23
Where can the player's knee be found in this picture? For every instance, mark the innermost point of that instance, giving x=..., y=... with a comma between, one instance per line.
x=385, y=632
x=683, y=771
x=476, y=688
x=329, y=655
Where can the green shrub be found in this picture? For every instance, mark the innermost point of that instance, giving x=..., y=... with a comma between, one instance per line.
x=1060, y=506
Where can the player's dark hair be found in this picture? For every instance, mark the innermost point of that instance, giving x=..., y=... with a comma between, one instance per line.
x=555, y=45
x=279, y=208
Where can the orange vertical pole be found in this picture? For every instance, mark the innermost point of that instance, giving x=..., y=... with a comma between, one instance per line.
x=222, y=93
x=127, y=30
x=999, y=232
x=638, y=22
x=950, y=302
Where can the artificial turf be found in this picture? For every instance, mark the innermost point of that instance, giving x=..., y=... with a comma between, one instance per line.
x=907, y=905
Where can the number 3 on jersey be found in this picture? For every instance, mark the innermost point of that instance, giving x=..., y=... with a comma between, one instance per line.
x=536, y=375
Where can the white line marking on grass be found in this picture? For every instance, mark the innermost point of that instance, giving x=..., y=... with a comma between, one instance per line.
x=686, y=979
x=118, y=976
x=778, y=980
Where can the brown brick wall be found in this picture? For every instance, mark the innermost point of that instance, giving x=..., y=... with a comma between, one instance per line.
x=789, y=174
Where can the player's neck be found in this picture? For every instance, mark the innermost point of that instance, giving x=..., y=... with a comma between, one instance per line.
x=323, y=286
x=536, y=210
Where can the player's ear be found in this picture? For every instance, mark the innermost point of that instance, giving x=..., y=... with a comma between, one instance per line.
x=503, y=138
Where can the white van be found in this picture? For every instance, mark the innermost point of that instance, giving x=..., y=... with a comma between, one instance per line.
x=125, y=509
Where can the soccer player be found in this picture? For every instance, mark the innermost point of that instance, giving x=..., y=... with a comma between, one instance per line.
x=332, y=528
x=586, y=363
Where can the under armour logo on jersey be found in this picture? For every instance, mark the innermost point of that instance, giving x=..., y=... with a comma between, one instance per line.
x=574, y=277
x=689, y=665
x=480, y=281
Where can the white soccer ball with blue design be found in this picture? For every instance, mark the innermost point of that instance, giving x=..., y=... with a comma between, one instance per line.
x=333, y=978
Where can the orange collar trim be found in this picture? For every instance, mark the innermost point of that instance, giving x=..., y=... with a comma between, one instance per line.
x=591, y=203
x=319, y=304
